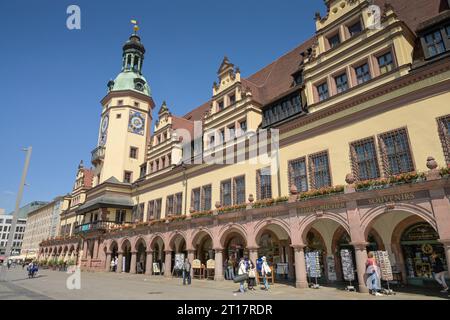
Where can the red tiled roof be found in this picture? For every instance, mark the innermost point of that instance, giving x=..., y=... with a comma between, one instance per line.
x=182, y=123
x=88, y=177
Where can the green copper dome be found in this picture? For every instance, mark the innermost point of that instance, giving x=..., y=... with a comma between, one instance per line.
x=131, y=78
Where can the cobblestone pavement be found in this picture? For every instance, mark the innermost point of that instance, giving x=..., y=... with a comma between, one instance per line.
x=49, y=284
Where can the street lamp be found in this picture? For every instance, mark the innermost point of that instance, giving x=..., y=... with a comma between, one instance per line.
x=18, y=200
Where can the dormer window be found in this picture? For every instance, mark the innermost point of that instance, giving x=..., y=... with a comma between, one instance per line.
x=434, y=43
x=385, y=63
x=355, y=28
x=334, y=40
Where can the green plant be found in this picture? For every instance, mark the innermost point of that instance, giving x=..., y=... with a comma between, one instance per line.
x=320, y=192
x=200, y=214
x=71, y=262
x=444, y=171
x=236, y=207
x=408, y=177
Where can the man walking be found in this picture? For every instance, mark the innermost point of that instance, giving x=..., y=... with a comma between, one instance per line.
x=186, y=272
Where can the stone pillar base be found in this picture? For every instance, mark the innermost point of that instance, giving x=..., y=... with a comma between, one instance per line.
x=363, y=289
x=219, y=277
x=301, y=284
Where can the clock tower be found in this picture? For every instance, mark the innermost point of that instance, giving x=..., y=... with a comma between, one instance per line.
x=125, y=120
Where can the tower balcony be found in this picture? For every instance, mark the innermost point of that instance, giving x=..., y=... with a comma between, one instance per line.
x=97, y=155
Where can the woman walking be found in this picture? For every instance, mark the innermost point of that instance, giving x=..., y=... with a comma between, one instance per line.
x=242, y=270
x=439, y=271
x=251, y=276
x=373, y=275
x=265, y=272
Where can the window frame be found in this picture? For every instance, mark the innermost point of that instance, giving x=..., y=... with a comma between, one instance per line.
x=222, y=192
x=193, y=200
x=134, y=151
x=444, y=136
x=125, y=175
x=235, y=190
x=359, y=65
x=291, y=173
x=318, y=86
x=355, y=163
x=387, y=170
x=312, y=170
x=259, y=185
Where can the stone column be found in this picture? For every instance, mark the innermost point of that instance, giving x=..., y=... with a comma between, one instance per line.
x=108, y=261
x=361, y=258
x=168, y=264
x=149, y=263
x=301, y=280
x=191, y=258
x=133, y=262
x=290, y=263
x=253, y=254
x=119, y=262
x=218, y=267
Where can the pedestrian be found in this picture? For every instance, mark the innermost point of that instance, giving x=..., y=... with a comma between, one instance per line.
x=265, y=272
x=116, y=260
x=230, y=269
x=9, y=264
x=186, y=272
x=242, y=270
x=225, y=268
x=439, y=271
x=112, y=264
x=251, y=276
x=373, y=275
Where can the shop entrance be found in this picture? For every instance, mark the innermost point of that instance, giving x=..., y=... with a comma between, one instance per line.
x=141, y=256
x=203, y=245
x=179, y=254
x=158, y=256
x=235, y=249
x=418, y=242
x=315, y=243
x=126, y=248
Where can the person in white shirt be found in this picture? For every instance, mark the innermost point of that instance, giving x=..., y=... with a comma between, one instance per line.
x=242, y=270
x=265, y=271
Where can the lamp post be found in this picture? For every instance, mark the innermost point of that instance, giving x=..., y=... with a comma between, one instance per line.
x=18, y=200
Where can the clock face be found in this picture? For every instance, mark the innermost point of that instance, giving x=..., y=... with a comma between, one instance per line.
x=104, y=124
x=137, y=122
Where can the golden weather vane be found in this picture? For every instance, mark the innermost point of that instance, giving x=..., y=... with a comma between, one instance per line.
x=135, y=25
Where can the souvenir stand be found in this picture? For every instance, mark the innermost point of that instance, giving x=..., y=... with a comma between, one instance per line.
x=382, y=258
x=156, y=269
x=178, y=267
x=313, y=267
x=198, y=269
x=210, y=266
x=347, y=268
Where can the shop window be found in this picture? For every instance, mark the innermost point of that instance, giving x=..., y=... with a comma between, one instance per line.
x=364, y=159
x=133, y=152
x=206, y=198
x=319, y=169
x=362, y=73
x=225, y=193
x=385, y=63
x=334, y=40
x=322, y=91
x=264, y=183
x=196, y=199
x=341, y=82
x=355, y=28
x=239, y=190
x=444, y=135
x=433, y=44
x=298, y=175
x=396, y=152
x=127, y=176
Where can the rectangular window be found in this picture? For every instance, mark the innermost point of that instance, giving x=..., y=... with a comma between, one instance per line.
x=385, y=63
x=133, y=152
x=120, y=216
x=341, y=83
x=362, y=73
x=222, y=135
x=151, y=210
x=239, y=190
x=127, y=176
x=395, y=150
x=231, y=132
x=136, y=104
x=434, y=43
x=220, y=105
x=243, y=125
x=264, y=183
x=334, y=40
x=158, y=206
x=322, y=91
x=444, y=135
x=232, y=99
x=196, y=199
x=178, y=203
x=319, y=170
x=212, y=139
x=298, y=175
x=119, y=102
x=225, y=191
x=355, y=28
x=170, y=205
x=364, y=159
x=206, y=194
x=143, y=171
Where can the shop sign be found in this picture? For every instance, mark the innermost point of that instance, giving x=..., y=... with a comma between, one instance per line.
x=324, y=207
x=394, y=198
x=196, y=264
x=210, y=264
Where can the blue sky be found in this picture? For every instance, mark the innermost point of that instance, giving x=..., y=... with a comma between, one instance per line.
x=52, y=78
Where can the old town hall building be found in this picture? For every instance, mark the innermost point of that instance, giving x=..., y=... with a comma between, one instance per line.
x=356, y=123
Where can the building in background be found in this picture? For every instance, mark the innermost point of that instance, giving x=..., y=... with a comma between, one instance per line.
x=5, y=229
x=23, y=211
x=42, y=223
